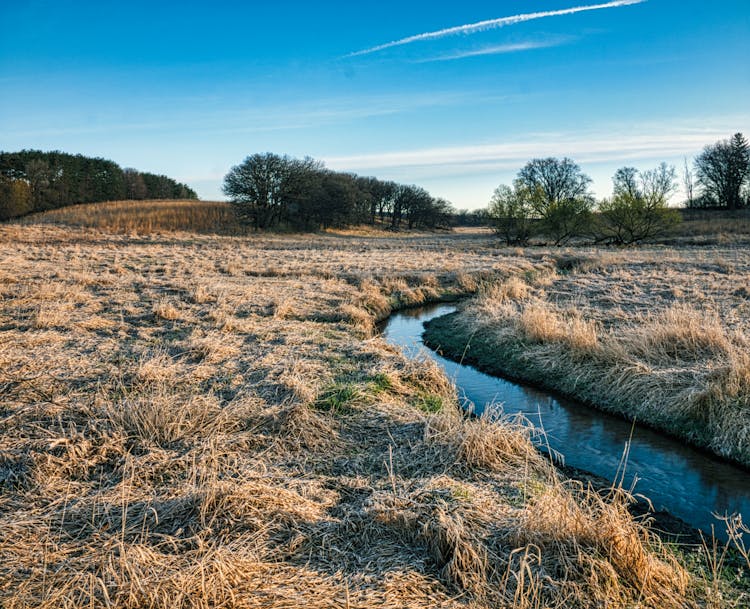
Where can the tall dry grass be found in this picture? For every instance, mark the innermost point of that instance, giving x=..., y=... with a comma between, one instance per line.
x=146, y=217
x=193, y=421
x=664, y=342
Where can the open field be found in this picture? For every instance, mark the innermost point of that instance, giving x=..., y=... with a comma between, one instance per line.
x=194, y=421
x=659, y=336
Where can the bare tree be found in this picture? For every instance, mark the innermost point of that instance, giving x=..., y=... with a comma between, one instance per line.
x=687, y=181
x=722, y=170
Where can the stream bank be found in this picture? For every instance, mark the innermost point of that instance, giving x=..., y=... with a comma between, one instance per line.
x=676, y=478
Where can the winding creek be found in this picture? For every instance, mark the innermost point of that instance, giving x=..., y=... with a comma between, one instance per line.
x=688, y=483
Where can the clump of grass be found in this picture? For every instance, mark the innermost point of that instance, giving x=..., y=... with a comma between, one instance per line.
x=164, y=418
x=202, y=294
x=283, y=309
x=303, y=428
x=540, y=323
x=157, y=369
x=426, y=376
x=513, y=288
x=608, y=558
x=338, y=399
x=429, y=403
x=167, y=310
x=496, y=443
x=380, y=383
x=359, y=318
x=52, y=315
x=682, y=332
x=373, y=300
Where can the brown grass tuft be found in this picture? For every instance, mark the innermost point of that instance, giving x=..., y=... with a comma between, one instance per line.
x=164, y=418
x=581, y=535
x=489, y=442
x=167, y=310
x=540, y=323
x=302, y=428
x=682, y=332
x=513, y=288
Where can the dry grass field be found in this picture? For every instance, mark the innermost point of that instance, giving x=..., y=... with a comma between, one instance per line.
x=712, y=227
x=660, y=336
x=146, y=217
x=193, y=421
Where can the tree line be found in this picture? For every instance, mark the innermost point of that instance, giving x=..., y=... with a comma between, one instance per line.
x=271, y=191
x=550, y=198
x=32, y=181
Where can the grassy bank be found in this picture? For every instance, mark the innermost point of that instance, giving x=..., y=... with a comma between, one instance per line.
x=192, y=421
x=657, y=337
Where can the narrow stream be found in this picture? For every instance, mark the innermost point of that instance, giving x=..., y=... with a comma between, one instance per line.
x=675, y=477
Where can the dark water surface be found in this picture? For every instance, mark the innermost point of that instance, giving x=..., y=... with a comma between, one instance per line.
x=688, y=483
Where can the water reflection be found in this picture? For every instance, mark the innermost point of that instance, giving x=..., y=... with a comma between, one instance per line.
x=675, y=477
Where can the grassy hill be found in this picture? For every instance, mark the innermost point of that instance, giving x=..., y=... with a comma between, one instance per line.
x=144, y=217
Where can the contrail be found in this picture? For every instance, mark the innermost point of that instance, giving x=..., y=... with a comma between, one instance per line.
x=491, y=24
x=497, y=50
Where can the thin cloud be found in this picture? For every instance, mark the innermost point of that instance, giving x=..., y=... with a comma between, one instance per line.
x=594, y=147
x=492, y=24
x=267, y=118
x=499, y=49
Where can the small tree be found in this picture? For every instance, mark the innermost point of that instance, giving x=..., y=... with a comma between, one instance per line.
x=511, y=213
x=723, y=170
x=638, y=208
x=559, y=197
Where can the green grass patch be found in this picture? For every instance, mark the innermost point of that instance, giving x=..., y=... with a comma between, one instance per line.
x=429, y=402
x=380, y=383
x=338, y=398
x=460, y=493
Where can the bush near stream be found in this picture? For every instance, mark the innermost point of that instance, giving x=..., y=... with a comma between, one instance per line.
x=193, y=421
x=627, y=336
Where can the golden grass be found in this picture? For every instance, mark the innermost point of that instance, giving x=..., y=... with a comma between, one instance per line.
x=193, y=421
x=146, y=217
x=579, y=531
x=660, y=337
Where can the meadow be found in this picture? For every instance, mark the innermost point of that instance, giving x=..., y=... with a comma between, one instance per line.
x=199, y=420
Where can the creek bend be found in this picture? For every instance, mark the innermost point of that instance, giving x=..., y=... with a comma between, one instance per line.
x=688, y=483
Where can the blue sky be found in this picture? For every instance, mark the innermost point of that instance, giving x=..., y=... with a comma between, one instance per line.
x=189, y=89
